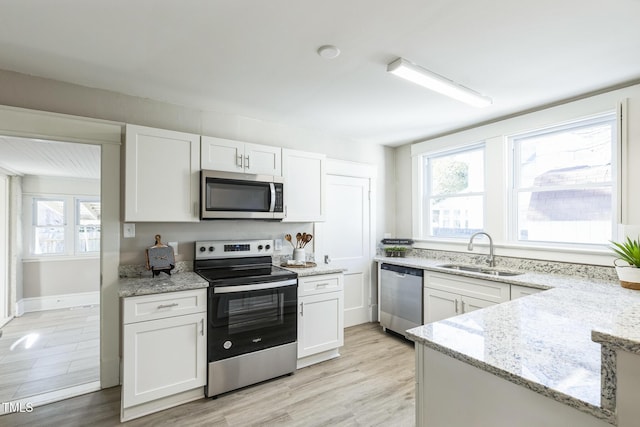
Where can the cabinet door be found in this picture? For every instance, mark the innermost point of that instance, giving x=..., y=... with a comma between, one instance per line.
x=222, y=154
x=439, y=305
x=304, y=189
x=522, y=291
x=320, y=323
x=161, y=175
x=470, y=304
x=262, y=159
x=163, y=357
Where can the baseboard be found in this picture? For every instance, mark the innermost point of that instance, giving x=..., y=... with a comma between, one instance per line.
x=28, y=403
x=53, y=302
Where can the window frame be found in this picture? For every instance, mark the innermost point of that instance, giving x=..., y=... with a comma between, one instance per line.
x=513, y=168
x=34, y=226
x=425, y=186
x=70, y=227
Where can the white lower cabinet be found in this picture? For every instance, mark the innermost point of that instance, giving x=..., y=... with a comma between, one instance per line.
x=163, y=359
x=320, y=318
x=447, y=295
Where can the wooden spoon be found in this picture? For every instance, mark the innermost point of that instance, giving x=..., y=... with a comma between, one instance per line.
x=298, y=239
x=287, y=237
x=307, y=239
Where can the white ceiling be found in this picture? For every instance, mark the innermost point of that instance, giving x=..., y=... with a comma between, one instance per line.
x=20, y=156
x=258, y=58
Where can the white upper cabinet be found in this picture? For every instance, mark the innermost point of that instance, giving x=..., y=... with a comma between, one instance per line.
x=243, y=157
x=161, y=175
x=304, y=186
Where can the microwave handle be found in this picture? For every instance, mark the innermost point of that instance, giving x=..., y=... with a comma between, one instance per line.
x=272, y=206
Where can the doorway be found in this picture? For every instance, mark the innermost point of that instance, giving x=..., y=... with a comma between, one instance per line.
x=50, y=347
x=346, y=236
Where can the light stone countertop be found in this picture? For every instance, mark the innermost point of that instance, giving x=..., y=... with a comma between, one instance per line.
x=186, y=280
x=130, y=287
x=543, y=341
x=314, y=271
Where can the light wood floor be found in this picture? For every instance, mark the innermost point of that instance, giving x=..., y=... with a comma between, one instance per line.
x=44, y=351
x=371, y=384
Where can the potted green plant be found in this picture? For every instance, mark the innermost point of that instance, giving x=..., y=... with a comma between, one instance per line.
x=395, y=251
x=628, y=252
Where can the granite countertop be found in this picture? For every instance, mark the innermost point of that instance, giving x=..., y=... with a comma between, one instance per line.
x=315, y=271
x=186, y=280
x=130, y=287
x=556, y=342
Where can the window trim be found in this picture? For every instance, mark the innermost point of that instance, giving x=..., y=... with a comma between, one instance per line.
x=70, y=227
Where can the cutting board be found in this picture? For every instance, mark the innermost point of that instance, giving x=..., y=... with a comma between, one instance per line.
x=160, y=258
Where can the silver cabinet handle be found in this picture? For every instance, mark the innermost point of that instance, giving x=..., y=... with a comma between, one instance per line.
x=247, y=162
x=463, y=306
x=301, y=309
x=239, y=160
x=456, y=305
x=175, y=304
x=202, y=327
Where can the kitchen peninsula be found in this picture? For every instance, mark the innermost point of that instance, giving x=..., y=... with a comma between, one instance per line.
x=564, y=356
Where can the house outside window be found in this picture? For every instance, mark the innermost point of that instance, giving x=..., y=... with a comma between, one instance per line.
x=563, y=183
x=453, y=193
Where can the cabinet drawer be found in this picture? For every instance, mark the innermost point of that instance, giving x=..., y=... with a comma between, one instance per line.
x=158, y=306
x=476, y=288
x=319, y=284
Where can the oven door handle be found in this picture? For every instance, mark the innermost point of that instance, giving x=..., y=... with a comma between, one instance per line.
x=254, y=287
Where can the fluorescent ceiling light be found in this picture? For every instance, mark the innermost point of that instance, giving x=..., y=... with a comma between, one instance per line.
x=425, y=78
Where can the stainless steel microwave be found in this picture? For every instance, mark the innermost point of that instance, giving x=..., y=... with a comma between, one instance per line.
x=229, y=195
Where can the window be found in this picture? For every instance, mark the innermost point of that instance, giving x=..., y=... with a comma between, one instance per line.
x=48, y=226
x=60, y=230
x=87, y=225
x=453, y=203
x=563, y=189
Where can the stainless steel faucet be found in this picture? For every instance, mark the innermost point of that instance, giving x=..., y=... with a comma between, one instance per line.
x=490, y=258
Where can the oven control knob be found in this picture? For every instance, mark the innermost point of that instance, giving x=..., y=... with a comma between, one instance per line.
x=202, y=249
x=227, y=345
x=267, y=247
x=259, y=247
x=211, y=249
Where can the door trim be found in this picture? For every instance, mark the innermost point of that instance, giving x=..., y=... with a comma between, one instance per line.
x=27, y=123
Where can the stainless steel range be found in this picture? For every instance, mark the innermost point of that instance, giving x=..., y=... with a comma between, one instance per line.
x=252, y=318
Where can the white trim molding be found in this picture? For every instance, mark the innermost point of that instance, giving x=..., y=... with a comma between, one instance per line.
x=54, y=302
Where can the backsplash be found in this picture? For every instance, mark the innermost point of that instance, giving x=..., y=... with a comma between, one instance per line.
x=510, y=263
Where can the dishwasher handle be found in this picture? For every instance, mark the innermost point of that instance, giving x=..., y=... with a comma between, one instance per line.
x=403, y=271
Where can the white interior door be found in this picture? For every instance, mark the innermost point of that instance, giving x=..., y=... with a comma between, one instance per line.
x=346, y=242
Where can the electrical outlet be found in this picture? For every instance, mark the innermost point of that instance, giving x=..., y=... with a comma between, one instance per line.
x=128, y=230
x=278, y=245
x=174, y=245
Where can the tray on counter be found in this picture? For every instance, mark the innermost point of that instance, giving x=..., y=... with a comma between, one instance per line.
x=307, y=264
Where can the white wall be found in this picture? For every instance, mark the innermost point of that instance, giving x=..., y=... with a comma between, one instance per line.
x=494, y=136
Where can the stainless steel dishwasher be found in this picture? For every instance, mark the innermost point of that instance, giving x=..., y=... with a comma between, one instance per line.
x=400, y=298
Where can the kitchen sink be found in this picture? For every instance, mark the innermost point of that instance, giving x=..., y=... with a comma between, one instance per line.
x=482, y=270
